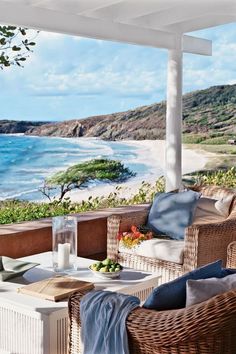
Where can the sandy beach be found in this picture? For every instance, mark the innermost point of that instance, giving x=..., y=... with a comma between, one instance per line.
x=151, y=153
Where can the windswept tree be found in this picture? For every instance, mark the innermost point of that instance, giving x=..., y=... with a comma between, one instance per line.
x=78, y=176
x=15, y=45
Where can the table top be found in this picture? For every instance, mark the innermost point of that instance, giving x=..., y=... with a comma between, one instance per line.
x=9, y=294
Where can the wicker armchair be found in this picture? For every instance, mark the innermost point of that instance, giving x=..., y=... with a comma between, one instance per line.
x=206, y=328
x=204, y=243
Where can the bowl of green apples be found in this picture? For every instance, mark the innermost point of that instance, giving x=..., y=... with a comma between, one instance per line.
x=106, y=269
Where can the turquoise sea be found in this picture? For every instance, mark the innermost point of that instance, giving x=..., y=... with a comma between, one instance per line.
x=26, y=161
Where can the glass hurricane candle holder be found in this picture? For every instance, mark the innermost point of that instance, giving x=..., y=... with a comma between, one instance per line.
x=64, y=245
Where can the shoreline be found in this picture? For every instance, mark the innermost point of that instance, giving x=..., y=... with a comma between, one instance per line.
x=152, y=153
x=145, y=157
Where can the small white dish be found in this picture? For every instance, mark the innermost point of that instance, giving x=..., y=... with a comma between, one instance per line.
x=105, y=275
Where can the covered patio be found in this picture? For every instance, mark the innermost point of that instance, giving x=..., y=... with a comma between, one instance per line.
x=162, y=24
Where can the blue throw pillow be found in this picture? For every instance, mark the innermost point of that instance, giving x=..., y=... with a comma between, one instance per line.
x=172, y=295
x=171, y=213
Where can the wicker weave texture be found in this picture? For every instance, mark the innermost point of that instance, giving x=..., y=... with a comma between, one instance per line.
x=206, y=328
x=74, y=342
x=204, y=243
x=231, y=258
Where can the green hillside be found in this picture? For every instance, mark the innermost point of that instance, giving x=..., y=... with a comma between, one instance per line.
x=209, y=116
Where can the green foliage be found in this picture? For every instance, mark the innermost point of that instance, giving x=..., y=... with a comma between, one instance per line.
x=215, y=141
x=77, y=176
x=220, y=149
x=203, y=121
x=16, y=211
x=218, y=95
x=213, y=138
x=14, y=46
x=209, y=112
x=193, y=138
x=226, y=178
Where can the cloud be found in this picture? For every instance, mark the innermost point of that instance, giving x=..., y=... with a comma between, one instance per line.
x=201, y=72
x=74, y=77
x=100, y=82
x=103, y=70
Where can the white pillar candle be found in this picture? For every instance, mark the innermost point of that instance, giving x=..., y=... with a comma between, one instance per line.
x=63, y=255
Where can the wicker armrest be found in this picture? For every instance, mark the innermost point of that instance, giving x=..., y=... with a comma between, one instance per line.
x=74, y=345
x=231, y=255
x=122, y=222
x=208, y=319
x=205, y=243
x=74, y=304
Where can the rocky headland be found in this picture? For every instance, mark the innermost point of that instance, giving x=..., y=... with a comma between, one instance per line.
x=17, y=126
x=210, y=112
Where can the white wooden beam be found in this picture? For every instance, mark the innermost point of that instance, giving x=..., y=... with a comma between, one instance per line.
x=129, y=9
x=75, y=6
x=170, y=16
x=95, y=5
x=200, y=23
x=180, y=12
x=48, y=20
x=196, y=45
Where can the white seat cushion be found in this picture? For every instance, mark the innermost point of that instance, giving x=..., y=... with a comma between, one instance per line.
x=166, y=250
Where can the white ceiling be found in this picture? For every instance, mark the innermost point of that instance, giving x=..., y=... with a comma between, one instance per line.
x=148, y=22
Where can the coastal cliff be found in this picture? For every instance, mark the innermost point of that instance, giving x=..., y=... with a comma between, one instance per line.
x=210, y=113
x=17, y=126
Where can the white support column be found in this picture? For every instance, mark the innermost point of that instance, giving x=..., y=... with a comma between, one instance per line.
x=174, y=118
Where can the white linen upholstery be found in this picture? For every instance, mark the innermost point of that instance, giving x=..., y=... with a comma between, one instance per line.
x=201, y=290
x=223, y=205
x=210, y=210
x=166, y=250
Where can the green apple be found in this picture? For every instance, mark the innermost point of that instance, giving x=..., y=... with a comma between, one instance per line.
x=107, y=261
x=104, y=269
x=93, y=266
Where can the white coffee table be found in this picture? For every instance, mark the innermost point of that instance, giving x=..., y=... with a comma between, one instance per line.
x=30, y=325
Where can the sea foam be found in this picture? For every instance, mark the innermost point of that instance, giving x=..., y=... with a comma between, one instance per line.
x=26, y=161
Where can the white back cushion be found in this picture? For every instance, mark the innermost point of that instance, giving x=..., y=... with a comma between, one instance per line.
x=212, y=210
x=201, y=290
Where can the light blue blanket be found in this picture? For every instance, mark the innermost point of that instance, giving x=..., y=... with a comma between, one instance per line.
x=103, y=315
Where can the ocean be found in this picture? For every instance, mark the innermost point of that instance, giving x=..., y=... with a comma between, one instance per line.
x=25, y=161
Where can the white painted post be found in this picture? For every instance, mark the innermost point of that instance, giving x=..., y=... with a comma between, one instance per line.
x=174, y=118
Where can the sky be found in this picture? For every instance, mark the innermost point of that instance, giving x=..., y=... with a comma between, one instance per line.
x=70, y=77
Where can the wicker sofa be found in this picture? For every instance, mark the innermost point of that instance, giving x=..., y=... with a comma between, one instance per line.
x=206, y=328
x=204, y=243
